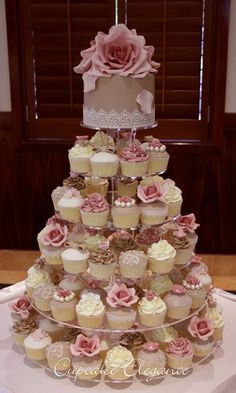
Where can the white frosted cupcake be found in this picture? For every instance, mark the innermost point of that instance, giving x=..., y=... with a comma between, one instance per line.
x=104, y=164
x=59, y=356
x=79, y=157
x=90, y=311
x=119, y=363
x=178, y=302
x=35, y=277
x=95, y=210
x=173, y=198
x=158, y=156
x=36, y=343
x=133, y=161
x=69, y=205
x=58, y=194
x=161, y=257
x=75, y=260
x=196, y=290
x=151, y=310
x=43, y=295
x=218, y=323
x=54, y=329
x=133, y=263
x=63, y=305
x=125, y=213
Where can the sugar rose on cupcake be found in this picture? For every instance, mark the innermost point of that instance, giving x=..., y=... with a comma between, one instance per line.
x=54, y=235
x=120, y=295
x=22, y=308
x=201, y=328
x=85, y=346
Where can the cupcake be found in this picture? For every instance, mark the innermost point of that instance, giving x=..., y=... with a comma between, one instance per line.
x=160, y=285
x=74, y=258
x=63, y=305
x=52, y=239
x=126, y=187
x=122, y=241
x=75, y=181
x=132, y=341
x=133, y=161
x=147, y=237
x=121, y=313
x=57, y=194
x=178, y=239
x=133, y=264
x=96, y=185
x=35, y=277
x=86, y=359
x=195, y=289
x=163, y=335
x=101, y=140
x=70, y=334
x=102, y=262
x=59, y=356
x=158, y=156
x=178, y=303
x=21, y=329
x=95, y=286
x=79, y=156
x=95, y=210
x=53, y=329
x=104, y=164
x=161, y=257
x=21, y=309
x=92, y=243
x=196, y=261
x=203, y=277
x=69, y=205
x=125, y=138
x=90, y=311
x=36, y=343
x=218, y=323
x=201, y=330
x=173, y=199
x=43, y=295
x=125, y=213
x=179, y=353
x=153, y=209
x=119, y=363
x=72, y=283
x=150, y=358
x=188, y=225
x=151, y=310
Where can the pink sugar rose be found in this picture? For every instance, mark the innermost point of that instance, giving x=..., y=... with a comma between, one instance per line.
x=201, y=328
x=120, y=295
x=120, y=52
x=152, y=193
x=133, y=153
x=187, y=223
x=85, y=346
x=179, y=347
x=54, y=235
x=22, y=306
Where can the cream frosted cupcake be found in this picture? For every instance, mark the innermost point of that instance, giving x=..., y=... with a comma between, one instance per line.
x=43, y=295
x=52, y=239
x=21, y=309
x=72, y=283
x=158, y=156
x=74, y=258
x=104, y=164
x=218, y=323
x=21, y=329
x=178, y=303
x=133, y=161
x=69, y=205
x=57, y=194
x=53, y=329
x=178, y=239
x=188, y=224
x=36, y=343
x=153, y=209
x=164, y=335
x=161, y=257
x=147, y=237
x=196, y=290
x=133, y=263
x=75, y=181
x=121, y=313
x=35, y=277
x=150, y=358
x=59, y=356
x=86, y=359
x=151, y=310
x=96, y=185
x=90, y=311
x=179, y=353
x=201, y=331
x=95, y=211
x=119, y=363
x=126, y=187
x=173, y=198
x=102, y=262
x=161, y=285
x=79, y=157
x=125, y=213
x=63, y=305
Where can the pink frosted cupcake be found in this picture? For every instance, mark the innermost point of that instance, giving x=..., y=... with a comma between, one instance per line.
x=121, y=313
x=69, y=205
x=125, y=213
x=153, y=209
x=188, y=225
x=95, y=210
x=52, y=240
x=201, y=330
x=147, y=237
x=196, y=290
x=178, y=302
x=179, y=353
x=133, y=161
x=86, y=359
x=21, y=309
x=63, y=305
x=158, y=156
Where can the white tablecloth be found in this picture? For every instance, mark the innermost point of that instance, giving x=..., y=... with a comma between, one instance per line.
x=18, y=375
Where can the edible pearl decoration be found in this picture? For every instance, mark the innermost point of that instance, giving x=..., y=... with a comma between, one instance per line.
x=125, y=204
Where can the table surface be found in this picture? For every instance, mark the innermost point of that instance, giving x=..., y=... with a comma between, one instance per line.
x=217, y=376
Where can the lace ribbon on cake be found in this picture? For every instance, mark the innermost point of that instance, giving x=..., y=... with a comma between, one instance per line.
x=113, y=119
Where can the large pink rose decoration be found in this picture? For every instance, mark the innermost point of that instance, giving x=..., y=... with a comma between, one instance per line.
x=85, y=346
x=120, y=52
x=152, y=193
x=54, y=235
x=201, y=328
x=180, y=347
x=120, y=295
x=22, y=307
x=187, y=223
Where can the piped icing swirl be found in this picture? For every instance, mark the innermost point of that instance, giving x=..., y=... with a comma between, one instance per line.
x=161, y=251
x=132, y=341
x=122, y=242
x=178, y=239
x=148, y=236
x=90, y=304
x=104, y=257
x=119, y=357
x=75, y=182
x=179, y=347
x=80, y=150
x=95, y=203
x=133, y=153
x=151, y=305
x=24, y=326
x=173, y=194
x=216, y=317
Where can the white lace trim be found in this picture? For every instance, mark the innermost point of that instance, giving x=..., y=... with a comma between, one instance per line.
x=114, y=119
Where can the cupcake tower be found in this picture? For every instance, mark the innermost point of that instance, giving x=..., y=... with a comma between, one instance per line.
x=118, y=288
